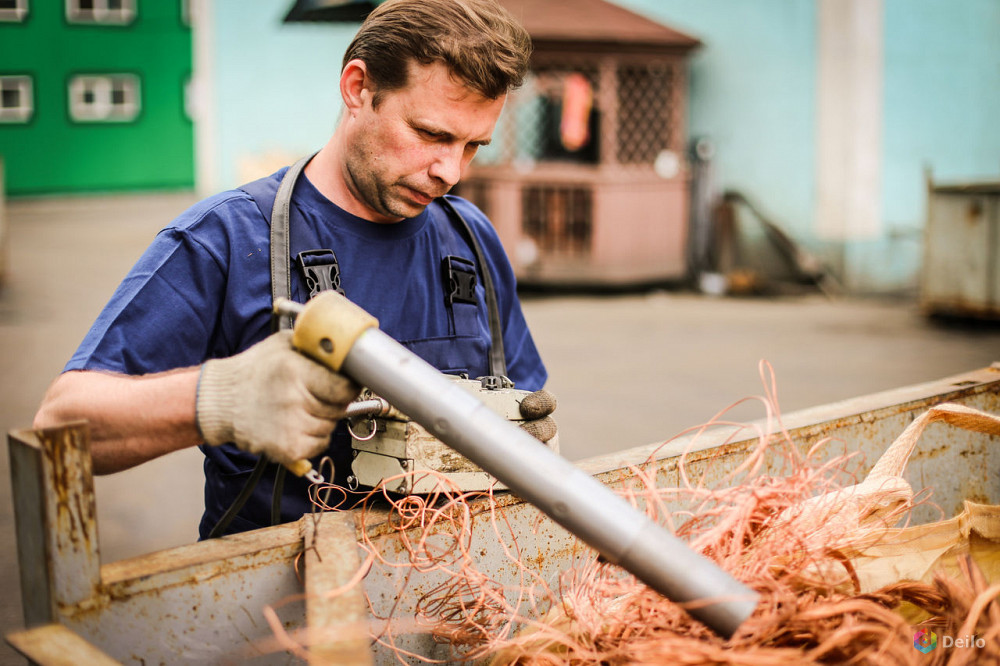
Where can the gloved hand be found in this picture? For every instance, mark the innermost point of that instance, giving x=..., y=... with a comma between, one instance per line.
x=536, y=408
x=271, y=399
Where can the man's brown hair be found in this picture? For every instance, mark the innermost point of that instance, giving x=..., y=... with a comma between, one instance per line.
x=478, y=40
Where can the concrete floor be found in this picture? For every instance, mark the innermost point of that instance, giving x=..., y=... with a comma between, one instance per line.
x=628, y=369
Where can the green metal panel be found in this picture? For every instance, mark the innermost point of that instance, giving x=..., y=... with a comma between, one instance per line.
x=52, y=153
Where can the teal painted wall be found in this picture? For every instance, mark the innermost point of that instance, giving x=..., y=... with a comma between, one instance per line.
x=276, y=83
x=752, y=91
x=753, y=94
x=753, y=88
x=940, y=109
x=941, y=102
x=51, y=154
x=942, y=99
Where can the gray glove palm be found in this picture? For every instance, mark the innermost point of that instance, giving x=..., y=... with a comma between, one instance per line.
x=271, y=400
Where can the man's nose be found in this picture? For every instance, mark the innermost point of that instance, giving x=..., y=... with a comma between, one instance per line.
x=448, y=165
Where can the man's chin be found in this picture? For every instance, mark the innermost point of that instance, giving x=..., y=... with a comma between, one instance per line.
x=406, y=209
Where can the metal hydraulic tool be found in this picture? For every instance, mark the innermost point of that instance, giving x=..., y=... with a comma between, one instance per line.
x=343, y=337
x=387, y=444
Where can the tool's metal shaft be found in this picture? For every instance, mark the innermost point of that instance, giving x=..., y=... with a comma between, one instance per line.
x=572, y=498
x=345, y=338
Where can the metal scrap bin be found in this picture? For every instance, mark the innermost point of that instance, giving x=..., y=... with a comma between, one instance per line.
x=203, y=603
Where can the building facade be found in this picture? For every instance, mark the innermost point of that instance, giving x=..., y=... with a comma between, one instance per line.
x=827, y=114
x=93, y=95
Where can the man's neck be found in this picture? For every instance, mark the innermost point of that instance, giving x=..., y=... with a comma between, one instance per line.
x=328, y=174
x=324, y=171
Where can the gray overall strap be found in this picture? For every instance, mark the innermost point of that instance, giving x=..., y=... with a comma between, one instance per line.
x=498, y=363
x=281, y=270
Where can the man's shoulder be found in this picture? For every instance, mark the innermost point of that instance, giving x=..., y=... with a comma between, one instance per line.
x=219, y=210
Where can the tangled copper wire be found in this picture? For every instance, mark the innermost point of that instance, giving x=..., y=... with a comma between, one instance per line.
x=812, y=609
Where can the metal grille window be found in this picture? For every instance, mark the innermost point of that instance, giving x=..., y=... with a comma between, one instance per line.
x=104, y=98
x=644, y=112
x=114, y=12
x=567, y=120
x=585, y=110
x=13, y=10
x=17, y=102
x=554, y=116
x=558, y=218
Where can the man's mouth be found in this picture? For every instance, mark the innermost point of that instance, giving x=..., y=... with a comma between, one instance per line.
x=420, y=197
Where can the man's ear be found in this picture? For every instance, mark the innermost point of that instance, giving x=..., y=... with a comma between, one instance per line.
x=355, y=85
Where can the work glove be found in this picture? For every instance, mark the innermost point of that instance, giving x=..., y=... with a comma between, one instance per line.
x=535, y=409
x=271, y=400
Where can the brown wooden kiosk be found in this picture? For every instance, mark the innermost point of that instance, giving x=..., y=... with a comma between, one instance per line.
x=587, y=181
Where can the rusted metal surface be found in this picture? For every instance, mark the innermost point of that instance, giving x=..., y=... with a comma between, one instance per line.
x=31, y=528
x=203, y=603
x=57, y=535
x=963, y=462
x=205, y=607
x=74, y=514
x=545, y=550
x=337, y=623
x=200, y=603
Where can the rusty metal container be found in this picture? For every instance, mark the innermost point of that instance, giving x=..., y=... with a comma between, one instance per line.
x=203, y=603
x=961, y=271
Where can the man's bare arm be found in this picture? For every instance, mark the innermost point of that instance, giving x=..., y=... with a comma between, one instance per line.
x=132, y=418
x=267, y=400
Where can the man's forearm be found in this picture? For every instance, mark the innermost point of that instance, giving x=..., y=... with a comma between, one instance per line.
x=132, y=419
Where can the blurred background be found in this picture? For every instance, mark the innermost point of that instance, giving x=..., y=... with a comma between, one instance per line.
x=684, y=187
x=654, y=141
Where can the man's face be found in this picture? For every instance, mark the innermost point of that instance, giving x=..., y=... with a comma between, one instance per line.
x=415, y=145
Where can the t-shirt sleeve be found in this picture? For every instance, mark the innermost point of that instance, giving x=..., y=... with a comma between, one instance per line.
x=164, y=313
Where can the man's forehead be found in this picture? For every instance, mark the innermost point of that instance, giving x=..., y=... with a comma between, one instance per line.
x=430, y=97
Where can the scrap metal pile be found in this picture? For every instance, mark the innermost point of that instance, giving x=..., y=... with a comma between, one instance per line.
x=839, y=582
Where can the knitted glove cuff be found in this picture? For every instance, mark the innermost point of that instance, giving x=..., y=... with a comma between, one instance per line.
x=215, y=402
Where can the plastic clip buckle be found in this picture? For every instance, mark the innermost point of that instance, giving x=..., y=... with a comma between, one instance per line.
x=459, y=280
x=321, y=270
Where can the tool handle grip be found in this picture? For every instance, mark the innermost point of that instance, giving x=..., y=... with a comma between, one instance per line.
x=305, y=469
x=299, y=467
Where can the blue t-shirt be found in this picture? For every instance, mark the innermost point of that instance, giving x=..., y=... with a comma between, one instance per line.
x=202, y=290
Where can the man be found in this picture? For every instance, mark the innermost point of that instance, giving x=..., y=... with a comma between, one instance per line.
x=182, y=355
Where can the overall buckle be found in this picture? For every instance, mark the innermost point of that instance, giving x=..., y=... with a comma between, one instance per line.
x=459, y=280
x=321, y=270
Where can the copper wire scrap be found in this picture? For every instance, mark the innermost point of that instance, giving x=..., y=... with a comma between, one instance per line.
x=788, y=522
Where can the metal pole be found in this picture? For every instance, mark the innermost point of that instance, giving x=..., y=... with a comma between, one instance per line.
x=572, y=498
